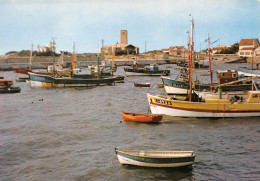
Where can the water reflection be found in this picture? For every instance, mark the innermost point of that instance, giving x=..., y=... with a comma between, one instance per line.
x=128, y=172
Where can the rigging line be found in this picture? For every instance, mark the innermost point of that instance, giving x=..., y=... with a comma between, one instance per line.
x=153, y=84
x=163, y=91
x=113, y=159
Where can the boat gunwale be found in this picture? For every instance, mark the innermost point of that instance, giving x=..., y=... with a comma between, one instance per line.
x=202, y=109
x=192, y=153
x=141, y=115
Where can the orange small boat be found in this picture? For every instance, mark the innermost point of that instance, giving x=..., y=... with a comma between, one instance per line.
x=142, y=84
x=145, y=118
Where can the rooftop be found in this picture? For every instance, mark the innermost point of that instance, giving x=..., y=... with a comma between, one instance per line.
x=248, y=41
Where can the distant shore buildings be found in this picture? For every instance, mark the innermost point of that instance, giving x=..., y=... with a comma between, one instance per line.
x=122, y=48
x=173, y=51
x=217, y=49
x=48, y=48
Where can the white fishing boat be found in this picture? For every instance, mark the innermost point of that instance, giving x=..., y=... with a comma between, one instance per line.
x=155, y=158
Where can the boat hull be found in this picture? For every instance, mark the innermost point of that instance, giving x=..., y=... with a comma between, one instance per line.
x=142, y=84
x=146, y=161
x=37, y=80
x=145, y=118
x=175, y=90
x=10, y=90
x=159, y=105
x=144, y=72
x=24, y=71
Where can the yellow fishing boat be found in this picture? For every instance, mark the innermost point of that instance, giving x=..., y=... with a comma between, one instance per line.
x=209, y=107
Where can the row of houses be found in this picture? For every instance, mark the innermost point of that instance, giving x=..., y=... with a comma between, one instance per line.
x=173, y=51
x=247, y=48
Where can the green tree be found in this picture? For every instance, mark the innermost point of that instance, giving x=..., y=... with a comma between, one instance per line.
x=230, y=50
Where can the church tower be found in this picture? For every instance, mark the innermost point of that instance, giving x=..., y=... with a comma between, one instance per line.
x=123, y=37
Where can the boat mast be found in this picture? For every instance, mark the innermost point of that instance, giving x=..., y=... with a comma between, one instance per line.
x=62, y=58
x=98, y=62
x=73, y=58
x=188, y=44
x=136, y=54
x=191, y=57
x=210, y=72
x=53, y=56
x=252, y=64
x=112, y=52
x=30, y=61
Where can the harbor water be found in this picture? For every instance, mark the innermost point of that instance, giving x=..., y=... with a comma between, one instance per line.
x=71, y=134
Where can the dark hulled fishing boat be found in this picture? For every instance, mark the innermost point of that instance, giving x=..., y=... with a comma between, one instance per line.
x=6, y=87
x=38, y=80
x=152, y=70
x=74, y=77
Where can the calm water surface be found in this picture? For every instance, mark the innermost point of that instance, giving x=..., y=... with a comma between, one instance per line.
x=72, y=133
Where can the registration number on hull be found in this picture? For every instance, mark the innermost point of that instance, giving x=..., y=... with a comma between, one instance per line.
x=163, y=102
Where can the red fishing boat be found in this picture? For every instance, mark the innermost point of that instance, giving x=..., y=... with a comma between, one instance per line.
x=22, y=70
x=145, y=118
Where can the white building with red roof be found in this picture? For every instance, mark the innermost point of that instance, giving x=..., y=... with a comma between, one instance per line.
x=174, y=50
x=247, y=47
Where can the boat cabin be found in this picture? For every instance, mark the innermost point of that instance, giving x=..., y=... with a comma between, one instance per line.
x=81, y=71
x=153, y=67
x=227, y=76
x=253, y=97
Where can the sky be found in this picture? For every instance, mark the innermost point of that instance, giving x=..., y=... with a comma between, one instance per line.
x=155, y=23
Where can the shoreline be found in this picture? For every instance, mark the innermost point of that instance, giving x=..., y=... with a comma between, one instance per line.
x=8, y=66
x=7, y=63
